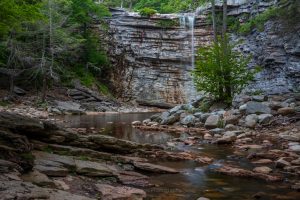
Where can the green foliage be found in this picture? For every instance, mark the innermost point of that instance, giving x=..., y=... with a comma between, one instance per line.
x=84, y=10
x=220, y=71
x=27, y=156
x=169, y=6
x=54, y=36
x=147, y=12
x=168, y=23
x=13, y=13
x=259, y=20
x=4, y=103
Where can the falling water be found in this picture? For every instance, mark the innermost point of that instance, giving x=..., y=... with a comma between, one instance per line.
x=182, y=19
x=191, y=20
x=188, y=21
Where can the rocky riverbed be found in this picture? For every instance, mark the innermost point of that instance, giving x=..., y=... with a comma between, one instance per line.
x=263, y=130
x=40, y=160
x=43, y=160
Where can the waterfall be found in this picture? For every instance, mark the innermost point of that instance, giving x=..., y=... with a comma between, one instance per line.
x=191, y=20
x=182, y=22
x=188, y=21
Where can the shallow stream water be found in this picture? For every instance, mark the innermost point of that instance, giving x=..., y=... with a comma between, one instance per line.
x=195, y=180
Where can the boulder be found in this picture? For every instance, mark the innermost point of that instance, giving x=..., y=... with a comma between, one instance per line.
x=176, y=109
x=37, y=178
x=207, y=136
x=286, y=111
x=262, y=161
x=225, y=140
x=164, y=116
x=136, y=123
x=295, y=148
x=19, y=91
x=281, y=163
x=231, y=117
x=204, y=117
x=263, y=169
x=216, y=131
x=189, y=120
x=259, y=98
x=69, y=107
x=213, y=121
x=198, y=114
x=231, y=127
x=171, y=119
x=257, y=108
x=264, y=118
x=230, y=133
x=251, y=120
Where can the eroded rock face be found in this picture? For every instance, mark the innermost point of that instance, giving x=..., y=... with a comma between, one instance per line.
x=154, y=60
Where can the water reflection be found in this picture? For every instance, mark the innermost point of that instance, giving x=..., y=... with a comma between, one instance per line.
x=194, y=180
x=119, y=126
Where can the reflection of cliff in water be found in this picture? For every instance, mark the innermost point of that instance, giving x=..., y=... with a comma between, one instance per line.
x=119, y=126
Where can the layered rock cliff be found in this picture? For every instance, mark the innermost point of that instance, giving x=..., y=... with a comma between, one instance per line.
x=152, y=57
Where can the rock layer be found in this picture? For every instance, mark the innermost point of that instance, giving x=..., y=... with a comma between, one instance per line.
x=152, y=57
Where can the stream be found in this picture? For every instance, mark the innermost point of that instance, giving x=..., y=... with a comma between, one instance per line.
x=195, y=180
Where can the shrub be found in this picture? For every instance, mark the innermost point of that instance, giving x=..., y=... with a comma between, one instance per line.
x=259, y=20
x=221, y=72
x=168, y=23
x=147, y=12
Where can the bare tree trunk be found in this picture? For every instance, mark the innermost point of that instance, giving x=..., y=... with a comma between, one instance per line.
x=51, y=37
x=44, y=71
x=224, y=27
x=10, y=62
x=11, y=84
x=226, y=74
x=214, y=19
x=45, y=88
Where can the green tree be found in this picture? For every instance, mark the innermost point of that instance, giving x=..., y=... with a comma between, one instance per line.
x=217, y=70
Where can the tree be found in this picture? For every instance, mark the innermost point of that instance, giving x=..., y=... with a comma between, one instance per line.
x=213, y=63
x=214, y=20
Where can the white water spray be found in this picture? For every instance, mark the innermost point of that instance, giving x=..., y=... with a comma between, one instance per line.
x=188, y=21
x=191, y=20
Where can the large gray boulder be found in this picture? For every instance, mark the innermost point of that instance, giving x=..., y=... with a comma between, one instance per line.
x=69, y=107
x=251, y=121
x=189, y=120
x=170, y=120
x=257, y=108
x=213, y=121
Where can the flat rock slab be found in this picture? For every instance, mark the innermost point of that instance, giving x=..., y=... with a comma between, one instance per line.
x=238, y=172
x=154, y=168
x=89, y=168
x=24, y=190
x=109, y=192
x=37, y=178
x=134, y=179
x=262, y=161
x=52, y=171
x=65, y=161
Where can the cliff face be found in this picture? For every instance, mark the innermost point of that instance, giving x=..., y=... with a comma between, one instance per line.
x=152, y=57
